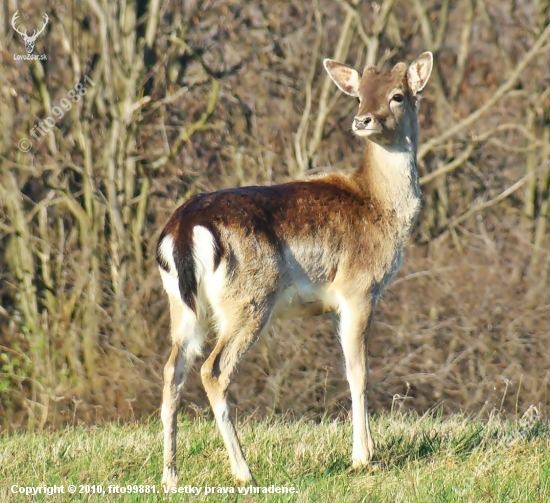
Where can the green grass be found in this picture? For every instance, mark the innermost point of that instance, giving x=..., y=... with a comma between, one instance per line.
x=416, y=460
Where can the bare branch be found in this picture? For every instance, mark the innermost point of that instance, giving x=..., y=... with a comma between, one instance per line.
x=301, y=133
x=501, y=91
x=464, y=49
x=459, y=161
x=487, y=204
x=188, y=132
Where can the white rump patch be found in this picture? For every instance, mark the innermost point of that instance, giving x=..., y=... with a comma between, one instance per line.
x=166, y=252
x=170, y=283
x=203, y=250
x=184, y=327
x=170, y=280
x=211, y=283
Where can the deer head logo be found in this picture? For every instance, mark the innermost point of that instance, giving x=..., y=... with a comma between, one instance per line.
x=29, y=40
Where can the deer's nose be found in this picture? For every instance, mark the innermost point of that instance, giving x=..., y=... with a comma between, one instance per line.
x=362, y=121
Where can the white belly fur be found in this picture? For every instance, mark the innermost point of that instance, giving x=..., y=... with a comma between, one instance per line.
x=304, y=298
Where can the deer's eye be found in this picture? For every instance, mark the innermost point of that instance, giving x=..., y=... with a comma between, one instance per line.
x=398, y=98
x=358, y=99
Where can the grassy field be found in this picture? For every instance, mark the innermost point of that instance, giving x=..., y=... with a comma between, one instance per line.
x=417, y=460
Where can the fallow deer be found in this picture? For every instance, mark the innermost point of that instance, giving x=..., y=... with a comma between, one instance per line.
x=237, y=258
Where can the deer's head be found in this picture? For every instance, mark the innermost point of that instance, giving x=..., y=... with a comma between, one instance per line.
x=29, y=40
x=387, y=101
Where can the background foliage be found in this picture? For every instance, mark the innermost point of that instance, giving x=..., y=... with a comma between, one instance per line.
x=201, y=95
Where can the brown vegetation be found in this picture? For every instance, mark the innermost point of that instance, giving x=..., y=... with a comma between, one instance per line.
x=203, y=95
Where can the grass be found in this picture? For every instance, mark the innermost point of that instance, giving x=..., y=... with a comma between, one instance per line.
x=417, y=460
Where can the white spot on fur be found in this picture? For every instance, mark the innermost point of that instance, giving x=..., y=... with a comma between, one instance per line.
x=211, y=283
x=203, y=250
x=170, y=283
x=194, y=344
x=214, y=288
x=166, y=251
x=185, y=329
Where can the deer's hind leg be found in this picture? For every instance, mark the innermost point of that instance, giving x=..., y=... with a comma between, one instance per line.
x=238, y=332
x=187, y=339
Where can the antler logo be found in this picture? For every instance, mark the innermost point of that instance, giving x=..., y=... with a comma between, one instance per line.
x=29, y=41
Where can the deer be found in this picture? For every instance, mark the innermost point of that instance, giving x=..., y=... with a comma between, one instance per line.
x=29, y=40
x=233, y=260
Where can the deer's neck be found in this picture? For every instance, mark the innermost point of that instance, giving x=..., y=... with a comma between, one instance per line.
x=390, y=176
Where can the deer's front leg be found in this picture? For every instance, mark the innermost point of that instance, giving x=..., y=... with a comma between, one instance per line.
x=354, y=321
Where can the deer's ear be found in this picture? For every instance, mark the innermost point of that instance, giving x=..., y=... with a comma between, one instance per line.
x=344, y=76
x=419, y=72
